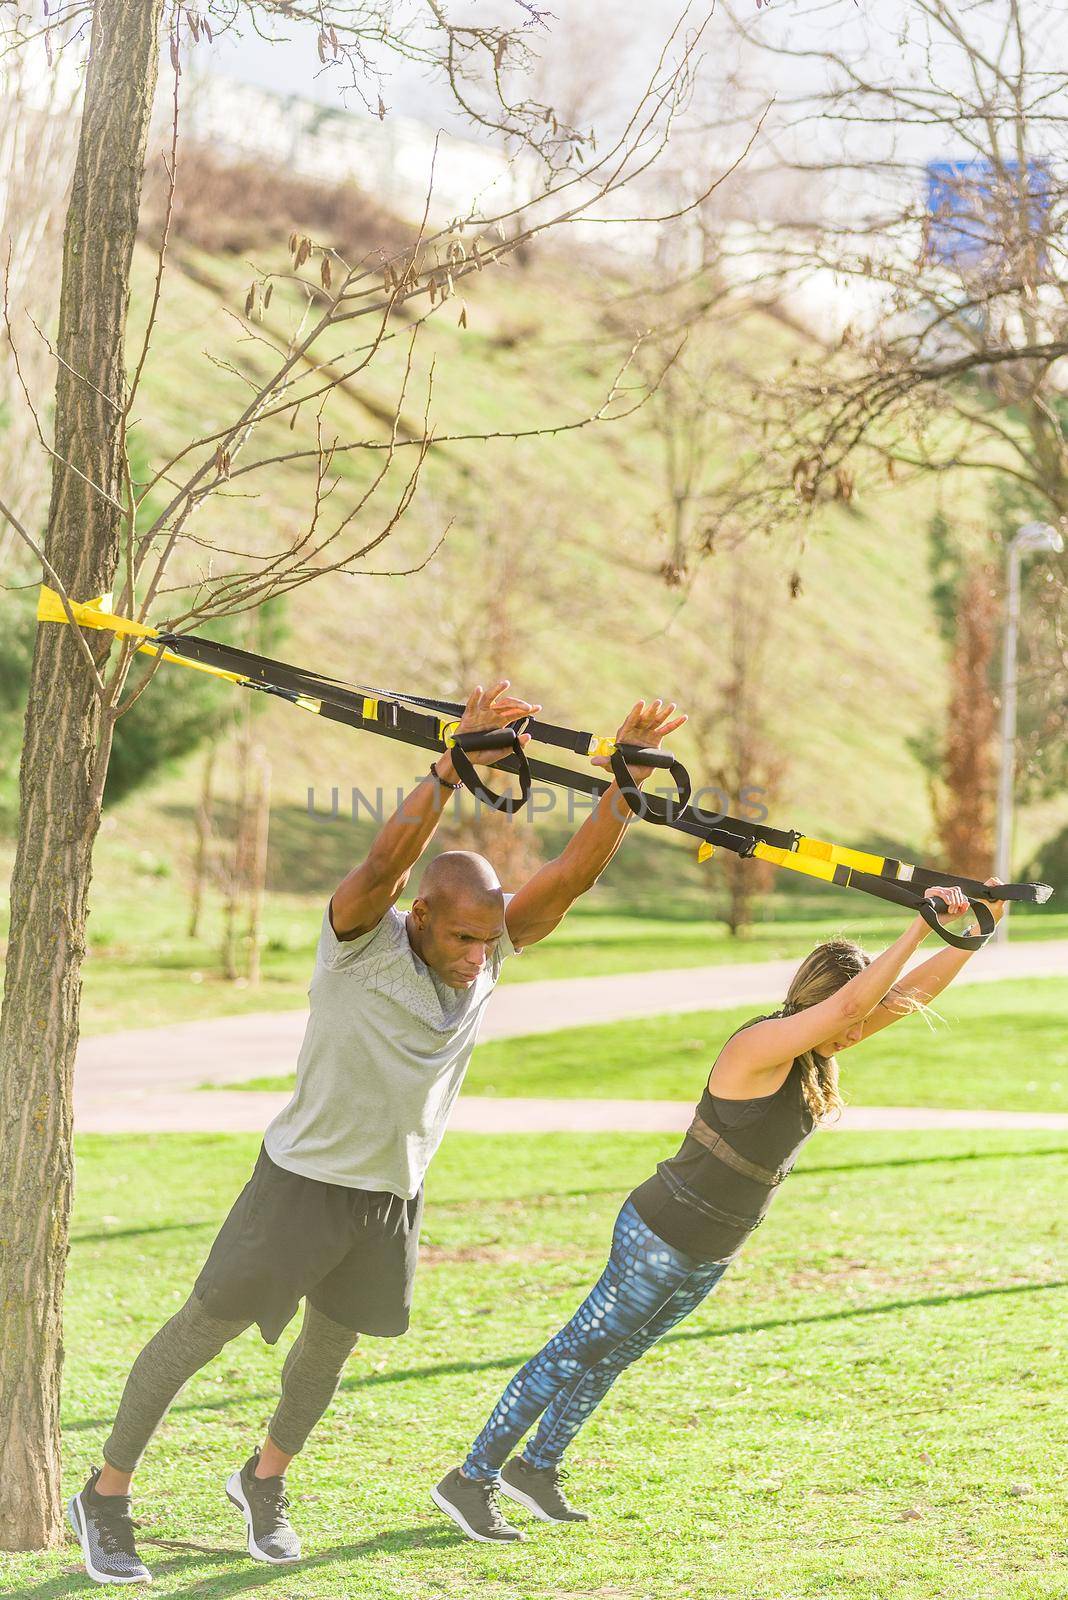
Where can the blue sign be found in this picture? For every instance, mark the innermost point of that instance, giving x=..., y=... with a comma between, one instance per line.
x=974, y=210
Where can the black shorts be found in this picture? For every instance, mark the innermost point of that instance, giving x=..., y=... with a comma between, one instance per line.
x=352, y=1252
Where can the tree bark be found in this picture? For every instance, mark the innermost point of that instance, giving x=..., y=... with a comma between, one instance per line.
x=204, y=827
x=64, y=757
x=261, y=829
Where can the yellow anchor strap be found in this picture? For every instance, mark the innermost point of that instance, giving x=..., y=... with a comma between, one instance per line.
x=98, y=614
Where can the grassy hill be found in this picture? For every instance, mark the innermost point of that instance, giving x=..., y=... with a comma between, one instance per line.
x=549, y=566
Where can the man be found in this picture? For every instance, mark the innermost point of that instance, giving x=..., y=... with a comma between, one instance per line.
x=331, y=1213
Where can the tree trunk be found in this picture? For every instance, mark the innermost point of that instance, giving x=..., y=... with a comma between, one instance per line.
x=61, y=775
x=204, y=827
x=239, y=875
x=261, y=827
x=965, y=800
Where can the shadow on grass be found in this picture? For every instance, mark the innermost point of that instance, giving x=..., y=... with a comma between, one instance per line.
x=510, y=1363
x=482, y=1203
x=247, y=1574
x=929, y=1161
x=104, y=1234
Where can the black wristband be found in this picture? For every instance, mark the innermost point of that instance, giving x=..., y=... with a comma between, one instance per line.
x=443, y=781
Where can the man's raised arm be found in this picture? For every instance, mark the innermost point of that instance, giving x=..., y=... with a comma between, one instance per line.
x=536, y=909
x=362, y=899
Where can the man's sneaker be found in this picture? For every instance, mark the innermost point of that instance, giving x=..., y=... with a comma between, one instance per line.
x=539, y=1489
x=104, y=1530
x=472, y=1505
x=263, y=1503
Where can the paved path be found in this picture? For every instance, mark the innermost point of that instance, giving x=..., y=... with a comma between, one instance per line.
x=148, y=1079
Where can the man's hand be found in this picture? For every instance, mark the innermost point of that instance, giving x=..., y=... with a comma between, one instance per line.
x=489, y=708
x=647, y=723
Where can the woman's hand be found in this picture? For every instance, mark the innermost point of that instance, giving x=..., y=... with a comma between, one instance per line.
x=995, y=907
x=955, y=899
x=646, y=724
x=958, y=903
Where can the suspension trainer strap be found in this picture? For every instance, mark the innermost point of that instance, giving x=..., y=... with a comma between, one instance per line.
x=432, y=724
x=651, y=808
x=493, y=739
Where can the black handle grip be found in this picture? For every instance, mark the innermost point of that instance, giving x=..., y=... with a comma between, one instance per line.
x=487, y=739
x=652, y=808
x=506, y=738
x=929, y=911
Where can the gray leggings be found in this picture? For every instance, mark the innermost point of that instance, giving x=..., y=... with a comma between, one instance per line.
x=191, y=1339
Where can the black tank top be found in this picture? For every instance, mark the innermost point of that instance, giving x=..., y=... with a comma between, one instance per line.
x=695, y=1202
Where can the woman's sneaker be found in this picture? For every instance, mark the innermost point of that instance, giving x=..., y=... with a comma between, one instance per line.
x=472, y=1505
x=105, y=1531
x=539, y=1489
x=263, y=1504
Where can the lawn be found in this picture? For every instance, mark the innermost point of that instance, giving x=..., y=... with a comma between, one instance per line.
x=866, y=1407
x=999, y=1046
x=142, y=971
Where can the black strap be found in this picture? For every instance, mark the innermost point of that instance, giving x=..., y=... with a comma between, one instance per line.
x=494, y=739
x=930, y=911
x=908, y=894
x=650, y=807
x=406, y=717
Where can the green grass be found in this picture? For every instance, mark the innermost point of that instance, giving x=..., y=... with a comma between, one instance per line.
x=1001, y=1047
x=865, y=1409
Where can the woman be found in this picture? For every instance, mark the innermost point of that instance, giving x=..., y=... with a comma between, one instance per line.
x=772, y=1084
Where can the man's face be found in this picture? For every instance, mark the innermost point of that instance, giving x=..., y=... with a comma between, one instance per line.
x=457, y=937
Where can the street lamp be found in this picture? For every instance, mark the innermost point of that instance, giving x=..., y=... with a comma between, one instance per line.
x=1031, y=538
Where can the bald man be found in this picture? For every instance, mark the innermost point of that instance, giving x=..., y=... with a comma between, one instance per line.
x=331, y=1213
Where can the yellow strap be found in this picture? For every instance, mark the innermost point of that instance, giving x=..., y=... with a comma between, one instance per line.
x=796, y=861
x=793, y=859
x=370, y=708
x=98, y=614
x=862, y=860
x=90, y=614
x=817, y=858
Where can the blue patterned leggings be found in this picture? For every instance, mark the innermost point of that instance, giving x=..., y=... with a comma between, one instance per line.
x=646, y=1288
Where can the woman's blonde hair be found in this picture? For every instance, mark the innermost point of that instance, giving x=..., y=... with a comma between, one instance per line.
x=821, y=974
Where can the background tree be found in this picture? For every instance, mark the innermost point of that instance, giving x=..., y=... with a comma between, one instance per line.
x=938, y=296
x=733, y=678
x=961, y=755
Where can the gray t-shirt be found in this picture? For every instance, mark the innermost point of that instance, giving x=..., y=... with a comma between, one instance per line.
x=383, y=1057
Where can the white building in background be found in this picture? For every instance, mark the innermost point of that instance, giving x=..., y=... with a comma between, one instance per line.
x=396, y=161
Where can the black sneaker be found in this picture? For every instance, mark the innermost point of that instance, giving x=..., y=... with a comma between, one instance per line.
x=539, y=1489
x=263, y=1503
x=472, y=1505
x=105, y=1531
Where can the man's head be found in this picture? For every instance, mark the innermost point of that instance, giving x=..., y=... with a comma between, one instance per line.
x=458, y=916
